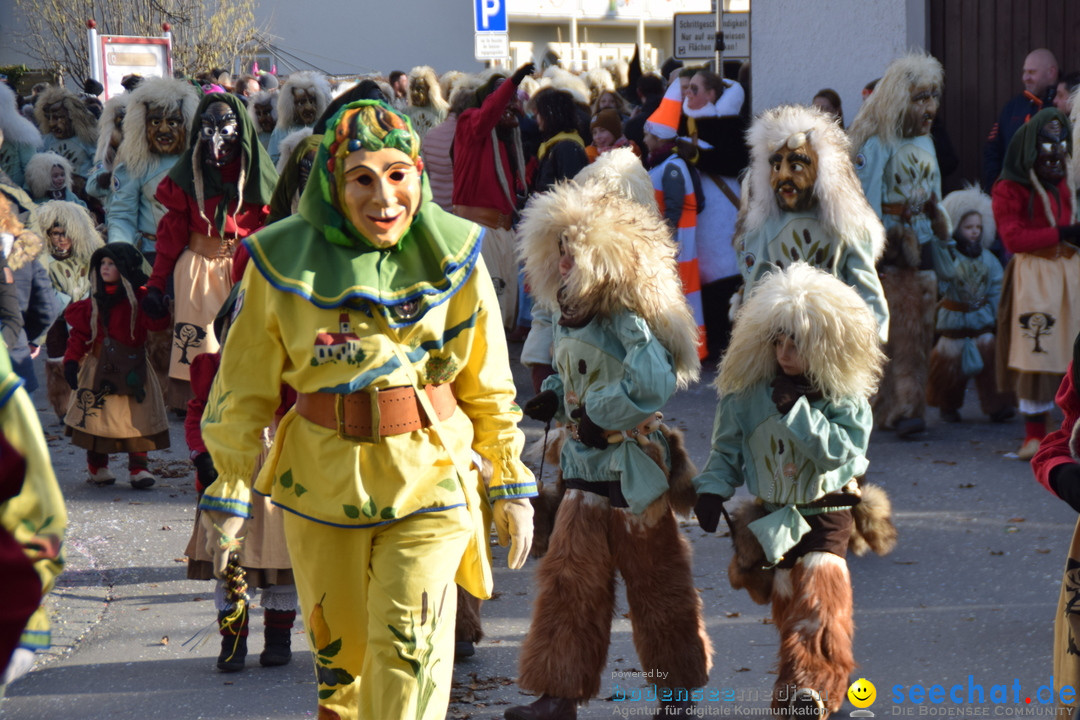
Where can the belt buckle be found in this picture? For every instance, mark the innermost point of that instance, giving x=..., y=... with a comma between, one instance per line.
x=339, y=415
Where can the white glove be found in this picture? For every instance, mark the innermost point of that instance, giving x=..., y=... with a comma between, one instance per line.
x=513, y=523
x=222, y=537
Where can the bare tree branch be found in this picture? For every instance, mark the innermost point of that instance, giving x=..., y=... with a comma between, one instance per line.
x=206, y=33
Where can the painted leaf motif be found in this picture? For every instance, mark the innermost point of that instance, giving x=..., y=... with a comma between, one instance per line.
x=388, y=513
x=351, y=511
x=448, y=484
x=370, y=508
x=325, y=694
x=299, y=489
x=286, y=479
x=332, y=649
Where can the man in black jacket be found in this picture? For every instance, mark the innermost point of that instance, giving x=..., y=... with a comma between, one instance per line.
x=1040, y=77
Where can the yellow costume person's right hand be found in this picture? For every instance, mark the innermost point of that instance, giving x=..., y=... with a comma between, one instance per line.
x=513, y=523
x=222, y=531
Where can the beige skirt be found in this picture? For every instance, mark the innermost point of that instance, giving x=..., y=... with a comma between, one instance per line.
x=1038, y=319
x=115, y=423
x=263, y=553
x=200, y=285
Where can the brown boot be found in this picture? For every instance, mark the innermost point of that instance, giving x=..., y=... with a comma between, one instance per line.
x=546, y=708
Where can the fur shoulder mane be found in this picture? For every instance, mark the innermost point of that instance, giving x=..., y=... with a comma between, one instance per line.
x=883, y=112
x=842, y=205
x=624, y=259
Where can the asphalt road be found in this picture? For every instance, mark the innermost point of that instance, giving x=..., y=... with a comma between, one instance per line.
x=967, y=598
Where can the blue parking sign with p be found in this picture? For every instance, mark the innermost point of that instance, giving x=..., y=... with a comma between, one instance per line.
x=490, y=15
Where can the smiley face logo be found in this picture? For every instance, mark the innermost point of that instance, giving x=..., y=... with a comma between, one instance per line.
x=862, y=693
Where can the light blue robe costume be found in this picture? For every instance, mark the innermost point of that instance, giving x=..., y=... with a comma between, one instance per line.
x=92, y=187
x=133, y=212
x=785, y=460
x=904, y=174
x=78, y=153
x=793, y=236
x=975, y=282
x=274, y=145
x=13, y=159
x=622, y=374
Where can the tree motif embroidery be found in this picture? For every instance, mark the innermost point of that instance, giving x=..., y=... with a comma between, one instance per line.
x=1035, y=325
x=187, y=336
x=89, y=402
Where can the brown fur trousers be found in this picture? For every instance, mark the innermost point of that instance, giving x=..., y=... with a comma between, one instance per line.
x=566, y=647
x=912, y=295
x=813, y=612
x=947, y=382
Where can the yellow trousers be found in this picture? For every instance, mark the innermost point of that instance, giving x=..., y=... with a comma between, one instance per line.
x=379, y=605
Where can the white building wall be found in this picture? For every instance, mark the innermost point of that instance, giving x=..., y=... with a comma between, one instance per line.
x=799, y=47
x=354, y=38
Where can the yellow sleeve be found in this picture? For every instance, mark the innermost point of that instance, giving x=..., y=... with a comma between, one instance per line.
x=485, y=390
x=36, y=517
x=244, y=396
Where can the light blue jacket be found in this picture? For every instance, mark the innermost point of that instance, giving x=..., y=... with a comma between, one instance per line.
x=785, y=460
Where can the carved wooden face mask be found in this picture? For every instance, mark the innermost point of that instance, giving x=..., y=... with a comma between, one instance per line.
x=165, y=130
x=794, y=173
x=925, y=101
x=58, y=120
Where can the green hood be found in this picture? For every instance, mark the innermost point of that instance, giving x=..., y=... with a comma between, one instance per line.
x=289, y=181
x=259, y=174
x=320, y=256
x=1024, y=146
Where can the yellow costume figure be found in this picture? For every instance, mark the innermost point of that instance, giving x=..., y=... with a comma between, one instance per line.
x=374, y=305
x=35, y=517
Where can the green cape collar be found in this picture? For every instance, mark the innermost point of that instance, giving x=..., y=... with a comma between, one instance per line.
x=429, y=264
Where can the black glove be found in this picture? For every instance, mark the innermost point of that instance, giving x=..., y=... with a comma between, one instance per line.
x=1065, y=482
x=543, y=406
x=786, y=391
x=589, y=433
x=71, y=374
x=522, y=72
x=153, y=304
x=204, y=469
x=1070, y=233
x=708, y=508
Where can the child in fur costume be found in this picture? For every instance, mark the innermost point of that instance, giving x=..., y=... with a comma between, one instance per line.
x=117, y=405
x=1057, y=468
x=793, y=423
x=426, y=108
x=802, y=201
x=48, y=177
x=624, y=340
x=68, y=127
x=72, y=239
x=300, y=102
x=110, y=134
x=969, y=280
x=897, y=165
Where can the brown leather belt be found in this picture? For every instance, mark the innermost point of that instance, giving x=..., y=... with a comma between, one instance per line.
x=957, y=306
x=902, y=209
x=211, y=247
x=965, y=334
x=355, y=417
x=1061, y=250
x=488, y=217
